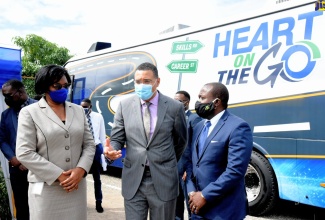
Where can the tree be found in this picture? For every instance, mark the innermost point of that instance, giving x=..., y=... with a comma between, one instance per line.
x=38, y=52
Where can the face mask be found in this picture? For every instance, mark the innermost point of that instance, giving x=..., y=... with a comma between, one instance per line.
x=13, y=104
x=204, y=110
x=144, y=91
x=59, y=96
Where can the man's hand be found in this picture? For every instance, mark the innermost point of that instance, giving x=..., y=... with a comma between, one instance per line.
x=74, y=177
x=184, y=176
x=14, y=162
x=196, y=202
x=109, y=151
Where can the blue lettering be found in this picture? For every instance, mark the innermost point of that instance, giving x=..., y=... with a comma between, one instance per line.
x=237, y=40
x=263, y=41
x=243, y=75
x=218, y=43
x=309, y=17
x=232, y=76
x=286, y=32
x=221, y=73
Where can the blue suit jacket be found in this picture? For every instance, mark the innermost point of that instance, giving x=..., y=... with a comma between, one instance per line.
x=8, y=131
x=192, y=119
x=219, y=172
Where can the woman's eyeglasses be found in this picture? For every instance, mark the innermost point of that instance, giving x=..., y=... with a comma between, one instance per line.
x=59, y=86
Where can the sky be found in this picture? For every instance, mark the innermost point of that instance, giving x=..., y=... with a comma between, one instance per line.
x=77, y=24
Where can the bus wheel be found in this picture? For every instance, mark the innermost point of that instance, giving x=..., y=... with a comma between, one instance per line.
x=261, y=185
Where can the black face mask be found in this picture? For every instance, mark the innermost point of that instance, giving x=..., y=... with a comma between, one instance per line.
x=204, y=110
x=13, y=104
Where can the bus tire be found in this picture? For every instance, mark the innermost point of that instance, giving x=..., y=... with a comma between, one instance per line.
x=261, y=185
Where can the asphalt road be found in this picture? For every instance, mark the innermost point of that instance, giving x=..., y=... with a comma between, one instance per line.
x=114, y=208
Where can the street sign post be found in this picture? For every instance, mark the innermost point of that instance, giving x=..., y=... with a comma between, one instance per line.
x=191, y=46
x=183, y=66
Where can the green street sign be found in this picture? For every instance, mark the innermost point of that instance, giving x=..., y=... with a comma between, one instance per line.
x=191, y=46
x=183, y=66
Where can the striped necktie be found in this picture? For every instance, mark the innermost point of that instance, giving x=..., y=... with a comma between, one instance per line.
x=90, y=125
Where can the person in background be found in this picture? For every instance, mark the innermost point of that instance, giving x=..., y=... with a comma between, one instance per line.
x=153, y=126
x=97, y=125
x=55, y=144
x=16, y=98
x=221, y=150
x=192, y=119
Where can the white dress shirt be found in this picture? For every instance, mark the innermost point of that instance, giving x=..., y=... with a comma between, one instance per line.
x=98, y=124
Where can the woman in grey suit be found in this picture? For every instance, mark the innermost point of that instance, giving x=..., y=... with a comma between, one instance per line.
x=55, y=144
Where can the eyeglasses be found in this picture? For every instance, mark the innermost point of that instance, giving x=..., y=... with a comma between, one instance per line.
x=10, y=96
x=58, y=86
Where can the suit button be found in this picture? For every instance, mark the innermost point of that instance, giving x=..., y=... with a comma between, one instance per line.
x=142, y=165
x=67, y=147
x=197, y=165
x=67, y=160
x=66, y=135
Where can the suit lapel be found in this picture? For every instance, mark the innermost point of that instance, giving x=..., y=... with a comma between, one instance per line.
x=213, y=133
x=69, y=115
x=162, y=109
x=137, y=109
x=14, y=119
x=48, y=112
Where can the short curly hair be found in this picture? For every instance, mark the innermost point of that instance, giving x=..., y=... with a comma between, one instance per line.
x=47, y=76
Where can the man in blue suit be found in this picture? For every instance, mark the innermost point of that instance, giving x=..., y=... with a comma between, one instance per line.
x=191, y=120
x=221, y=150
x=16, y=98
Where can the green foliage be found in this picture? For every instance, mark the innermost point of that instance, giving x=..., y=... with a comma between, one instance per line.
x=38, y=52
x=4, y=201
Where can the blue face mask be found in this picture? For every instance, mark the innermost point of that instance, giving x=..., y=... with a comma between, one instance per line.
x=59, y=96
x=144, y=91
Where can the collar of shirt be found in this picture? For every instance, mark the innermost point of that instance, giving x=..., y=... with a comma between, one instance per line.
x=214, y=121
x=26, y=103
x=153, y=101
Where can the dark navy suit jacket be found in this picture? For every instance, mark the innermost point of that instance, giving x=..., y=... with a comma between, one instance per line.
x=220, y=170
x=192, y=119
x=8, y=131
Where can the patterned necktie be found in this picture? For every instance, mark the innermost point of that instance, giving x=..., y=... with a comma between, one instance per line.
x=146, y=120
x=203, y=137
x=90, y=125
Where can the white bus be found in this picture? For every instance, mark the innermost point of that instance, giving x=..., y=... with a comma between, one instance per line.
x=271, y=61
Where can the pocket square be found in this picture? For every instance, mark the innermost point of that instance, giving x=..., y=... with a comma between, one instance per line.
x=214, y=142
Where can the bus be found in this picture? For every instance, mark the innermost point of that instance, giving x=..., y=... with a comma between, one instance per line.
x=271, y=61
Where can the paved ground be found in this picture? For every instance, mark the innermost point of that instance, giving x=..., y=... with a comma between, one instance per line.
x=114, y=208
x=112, y=199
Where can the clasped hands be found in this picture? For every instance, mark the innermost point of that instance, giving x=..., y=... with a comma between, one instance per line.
x=110, y=152
x=196, y=201
x=70, y=179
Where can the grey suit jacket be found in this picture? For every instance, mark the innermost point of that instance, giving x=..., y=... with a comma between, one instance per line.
x=163, y=150
x=47, y=146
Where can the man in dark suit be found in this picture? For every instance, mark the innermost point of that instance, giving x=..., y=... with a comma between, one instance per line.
x=16, y=98
x=153, y=126
x=191, y=119
x=221, y=150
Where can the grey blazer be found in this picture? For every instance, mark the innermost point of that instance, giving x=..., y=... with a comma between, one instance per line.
x=47, y=146
x=163, y=150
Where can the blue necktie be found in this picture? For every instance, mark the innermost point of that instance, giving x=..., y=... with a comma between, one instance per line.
x=203, y=137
